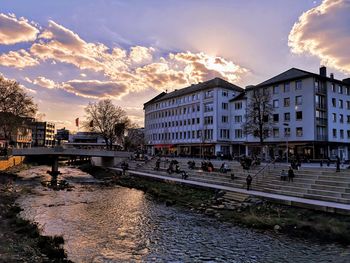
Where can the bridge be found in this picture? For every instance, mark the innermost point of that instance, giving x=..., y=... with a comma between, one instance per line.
x=64, y=151
x=107, y=159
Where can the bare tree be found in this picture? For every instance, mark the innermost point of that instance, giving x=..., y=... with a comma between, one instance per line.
x=107, y=119
x=15, y=107
x=135, y=138
x=259, y=115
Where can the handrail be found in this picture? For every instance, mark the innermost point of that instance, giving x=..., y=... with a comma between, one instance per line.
x=261, y=170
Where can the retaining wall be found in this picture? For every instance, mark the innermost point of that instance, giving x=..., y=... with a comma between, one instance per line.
x=11, y=161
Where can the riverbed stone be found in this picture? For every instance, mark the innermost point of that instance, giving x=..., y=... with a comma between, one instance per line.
x=277, y=228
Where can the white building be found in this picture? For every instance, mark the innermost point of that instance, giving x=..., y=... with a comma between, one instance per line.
x=193, y=121
x=311, y=112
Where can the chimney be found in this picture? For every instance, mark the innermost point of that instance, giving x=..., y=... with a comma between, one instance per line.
x=332, y=76
x=323, y=71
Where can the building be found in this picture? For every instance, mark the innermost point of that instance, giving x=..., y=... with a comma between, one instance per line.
x=86, y=137
x=193, y=121
x=43, y=134
x=311, y=114
x=62, y=135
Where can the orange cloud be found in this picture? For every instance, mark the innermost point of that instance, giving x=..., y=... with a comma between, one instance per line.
x=18, y=59
x=15, y=30
x=323, y=31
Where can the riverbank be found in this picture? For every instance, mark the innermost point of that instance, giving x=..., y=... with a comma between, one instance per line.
x=20, y=240
x=253, y=213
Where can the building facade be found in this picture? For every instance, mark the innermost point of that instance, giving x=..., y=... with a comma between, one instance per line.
x=311, y=114
x=310, y=118
x=192, y=121
x=43, y=134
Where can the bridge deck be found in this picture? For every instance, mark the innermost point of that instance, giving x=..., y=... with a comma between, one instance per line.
x=60, y=151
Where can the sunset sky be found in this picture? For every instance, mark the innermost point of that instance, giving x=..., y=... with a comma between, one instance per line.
x=69, y=52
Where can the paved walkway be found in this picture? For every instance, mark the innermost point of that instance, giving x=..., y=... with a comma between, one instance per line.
x=289, y=200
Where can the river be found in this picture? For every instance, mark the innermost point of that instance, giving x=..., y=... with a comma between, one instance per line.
x=117, y=224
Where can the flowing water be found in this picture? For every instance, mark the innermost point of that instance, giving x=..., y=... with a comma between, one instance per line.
x=117, y=224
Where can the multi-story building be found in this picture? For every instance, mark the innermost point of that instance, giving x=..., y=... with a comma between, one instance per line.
x=43, y=134
x=62, y=135
x=193, y=121
x=311, y=113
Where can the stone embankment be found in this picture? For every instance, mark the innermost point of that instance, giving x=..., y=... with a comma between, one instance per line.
x=9, y=162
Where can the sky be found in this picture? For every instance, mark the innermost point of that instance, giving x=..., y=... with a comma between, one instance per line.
x=68, y=53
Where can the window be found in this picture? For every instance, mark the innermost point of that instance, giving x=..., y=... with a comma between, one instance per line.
x=275, y=103
x=348, y=118
x=286, y=87
x=298, y=85
x=340, y=104
x=224, y=93
x=238, y=133
x=348, y=133
x=333, y=87
x=340, y=89
x=334, y=102
x=238, y=105
x=286, y=132
x=299, y=131
x=208, y=120
x=224, y=119
x=276, y=117
x=276, y=132
x=299, y=115
x=348, y=105
x=286, y=116
x=334, y=133
x=286, y=102
x=208, y=134
x=334, y=117
x=347, y=90
x=341, y=133
x=208, y=107
x=198, y=121
x=298, y=100
x=238, y=118
x=275, y=89
x=341, y=118
x=224, y=106
x=208, y=94
x=225, y=133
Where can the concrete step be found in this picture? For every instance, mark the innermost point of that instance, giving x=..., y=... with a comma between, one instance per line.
x=288, y=188
x=324, y=193
x=331, y=188
x=332, y=183
x=234, y=196
x=327, y=198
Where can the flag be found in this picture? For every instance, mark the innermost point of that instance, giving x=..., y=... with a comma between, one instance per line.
x=77, y=122
x=91, y=123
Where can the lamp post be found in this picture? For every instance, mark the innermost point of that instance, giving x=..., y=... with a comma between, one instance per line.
x=286, y=135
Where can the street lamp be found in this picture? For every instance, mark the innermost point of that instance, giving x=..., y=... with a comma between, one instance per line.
x=286, y=135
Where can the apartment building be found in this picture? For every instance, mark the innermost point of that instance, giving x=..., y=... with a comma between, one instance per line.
x=193, y=121
x=43, y=133
x=311, y=113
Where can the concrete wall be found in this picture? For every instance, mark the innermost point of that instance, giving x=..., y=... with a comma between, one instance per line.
x=12, y=161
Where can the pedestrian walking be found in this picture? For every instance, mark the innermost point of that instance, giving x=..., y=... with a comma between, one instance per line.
x=249, y=180
x=338, y=164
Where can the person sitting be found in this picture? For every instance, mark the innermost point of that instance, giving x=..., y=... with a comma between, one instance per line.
x=184, y=175
x=210, y=167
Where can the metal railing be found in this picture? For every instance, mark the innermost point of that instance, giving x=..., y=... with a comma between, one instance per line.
x=262, y=171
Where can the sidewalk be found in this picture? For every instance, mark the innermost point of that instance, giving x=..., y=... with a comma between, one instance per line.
x=284, y=199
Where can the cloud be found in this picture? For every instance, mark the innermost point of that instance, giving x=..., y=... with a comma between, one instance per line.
x=136, y=68
x=43, y=82
x=324, y=31
x=15, y=30
x=18, y=59
x=94, y=88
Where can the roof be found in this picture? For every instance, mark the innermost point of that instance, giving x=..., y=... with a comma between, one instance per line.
x=216, y=82
x=295, y=73
x=155, y=98
x=240, y=96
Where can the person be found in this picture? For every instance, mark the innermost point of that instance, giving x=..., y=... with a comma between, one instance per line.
x=184, y=175
x=338, y=164
x=223, y=168
x=328, y=161
x=249, y=180
x=321, y=163
x=283, y=175
x=290, y=174
x=157, y=165
x=210, y=167
x=124, y=166
x=232, y=176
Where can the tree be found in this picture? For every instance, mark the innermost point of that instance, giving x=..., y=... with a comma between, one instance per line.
x=15, y=107
x=135, y=139
x=109, y=120
x=259, y=115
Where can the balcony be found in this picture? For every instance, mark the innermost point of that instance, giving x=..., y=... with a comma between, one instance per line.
x=321, y=137
x=321, y=121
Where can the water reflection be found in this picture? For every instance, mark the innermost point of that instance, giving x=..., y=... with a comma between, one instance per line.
x=115, y=224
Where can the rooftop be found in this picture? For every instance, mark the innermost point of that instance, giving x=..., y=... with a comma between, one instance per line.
x=216, y=82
